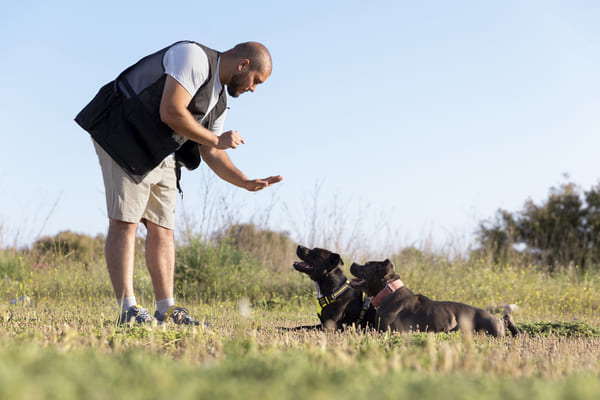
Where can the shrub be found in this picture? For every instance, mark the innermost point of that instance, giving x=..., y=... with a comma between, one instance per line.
x=562, y=230
x=218, y=270
x=76, y=246
x=10, y=262
x=274, y=250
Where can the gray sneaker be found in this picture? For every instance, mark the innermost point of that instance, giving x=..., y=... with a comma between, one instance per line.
x=135, y=314
x=177, y=315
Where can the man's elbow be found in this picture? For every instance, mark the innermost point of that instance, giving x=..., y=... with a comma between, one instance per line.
x=169, y=115
x=209, y=154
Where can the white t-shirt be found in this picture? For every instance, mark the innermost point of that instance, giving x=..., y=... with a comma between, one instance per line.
x=187, y=63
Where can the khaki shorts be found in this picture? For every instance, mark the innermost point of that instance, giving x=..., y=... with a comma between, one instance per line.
x=153, y=199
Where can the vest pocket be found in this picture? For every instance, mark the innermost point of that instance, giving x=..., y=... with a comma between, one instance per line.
x=129, y=129
x=139, y=136
x=96, y=111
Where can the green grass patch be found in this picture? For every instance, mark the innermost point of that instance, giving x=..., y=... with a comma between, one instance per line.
x=563, y=329
x=248, y=369
x=63, y=343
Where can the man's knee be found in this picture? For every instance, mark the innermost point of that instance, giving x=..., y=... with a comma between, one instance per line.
x=158, y=231
x=121, y=228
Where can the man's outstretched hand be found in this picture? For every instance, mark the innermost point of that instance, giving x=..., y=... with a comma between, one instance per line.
x=255, y=185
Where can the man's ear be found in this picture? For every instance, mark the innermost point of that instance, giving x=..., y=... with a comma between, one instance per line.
x=243, y=64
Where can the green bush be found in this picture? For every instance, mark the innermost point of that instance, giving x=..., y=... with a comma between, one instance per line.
x=217, y=271
x=10, y=263
x=274, y=250
x=75, y=246
x=563, y=230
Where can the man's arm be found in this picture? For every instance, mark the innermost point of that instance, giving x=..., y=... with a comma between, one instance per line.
x=174, y=112
x=221, y=164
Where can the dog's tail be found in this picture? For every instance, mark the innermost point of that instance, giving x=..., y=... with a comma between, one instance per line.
x=510, y=324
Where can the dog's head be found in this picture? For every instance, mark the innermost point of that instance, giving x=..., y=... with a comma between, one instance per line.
x=372, y=276
x=316, y=263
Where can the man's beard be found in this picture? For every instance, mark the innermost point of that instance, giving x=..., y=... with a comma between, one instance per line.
x=234, y=85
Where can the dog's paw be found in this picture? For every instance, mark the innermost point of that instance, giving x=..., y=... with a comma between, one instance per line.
x=504, y=309
x=509, y=308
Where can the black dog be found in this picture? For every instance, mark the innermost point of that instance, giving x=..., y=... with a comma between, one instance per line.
x=399, y=309
x=339, y=304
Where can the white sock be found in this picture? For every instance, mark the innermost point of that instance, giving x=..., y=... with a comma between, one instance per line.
x=162, y=306
x=126, y=302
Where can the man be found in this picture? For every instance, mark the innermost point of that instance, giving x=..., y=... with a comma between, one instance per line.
x=164, y=112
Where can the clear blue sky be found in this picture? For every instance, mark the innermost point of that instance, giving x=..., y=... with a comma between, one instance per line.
x=432, y=114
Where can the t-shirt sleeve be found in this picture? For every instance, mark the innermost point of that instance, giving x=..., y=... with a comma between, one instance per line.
x=217, y=127
x=187, y=63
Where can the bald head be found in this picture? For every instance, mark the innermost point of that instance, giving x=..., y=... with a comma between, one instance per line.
x=244, y=67
x=256, y=53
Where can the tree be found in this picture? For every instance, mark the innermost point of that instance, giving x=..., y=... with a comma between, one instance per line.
x=563, y=229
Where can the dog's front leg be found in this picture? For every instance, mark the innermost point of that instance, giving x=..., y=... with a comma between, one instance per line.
x=384, y=321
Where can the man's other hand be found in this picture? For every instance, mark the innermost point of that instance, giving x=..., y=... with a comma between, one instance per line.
x=230, y=140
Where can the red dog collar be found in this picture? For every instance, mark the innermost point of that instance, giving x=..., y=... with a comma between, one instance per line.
x=387, y=290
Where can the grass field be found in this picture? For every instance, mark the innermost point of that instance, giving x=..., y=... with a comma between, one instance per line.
x=59, y=339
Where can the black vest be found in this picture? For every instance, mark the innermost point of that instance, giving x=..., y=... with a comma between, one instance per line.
x=124, y=119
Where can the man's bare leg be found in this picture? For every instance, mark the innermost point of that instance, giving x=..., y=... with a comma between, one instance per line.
x=160, y=259
x=120, y=256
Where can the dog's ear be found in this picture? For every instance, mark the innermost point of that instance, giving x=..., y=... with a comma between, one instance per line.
x=389, y=266
x=335, y=260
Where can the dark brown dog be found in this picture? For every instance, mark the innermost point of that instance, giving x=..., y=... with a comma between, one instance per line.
x=339, y=304
x=399, y=309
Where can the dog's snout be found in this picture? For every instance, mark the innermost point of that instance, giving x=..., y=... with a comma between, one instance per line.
x=301, y=250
